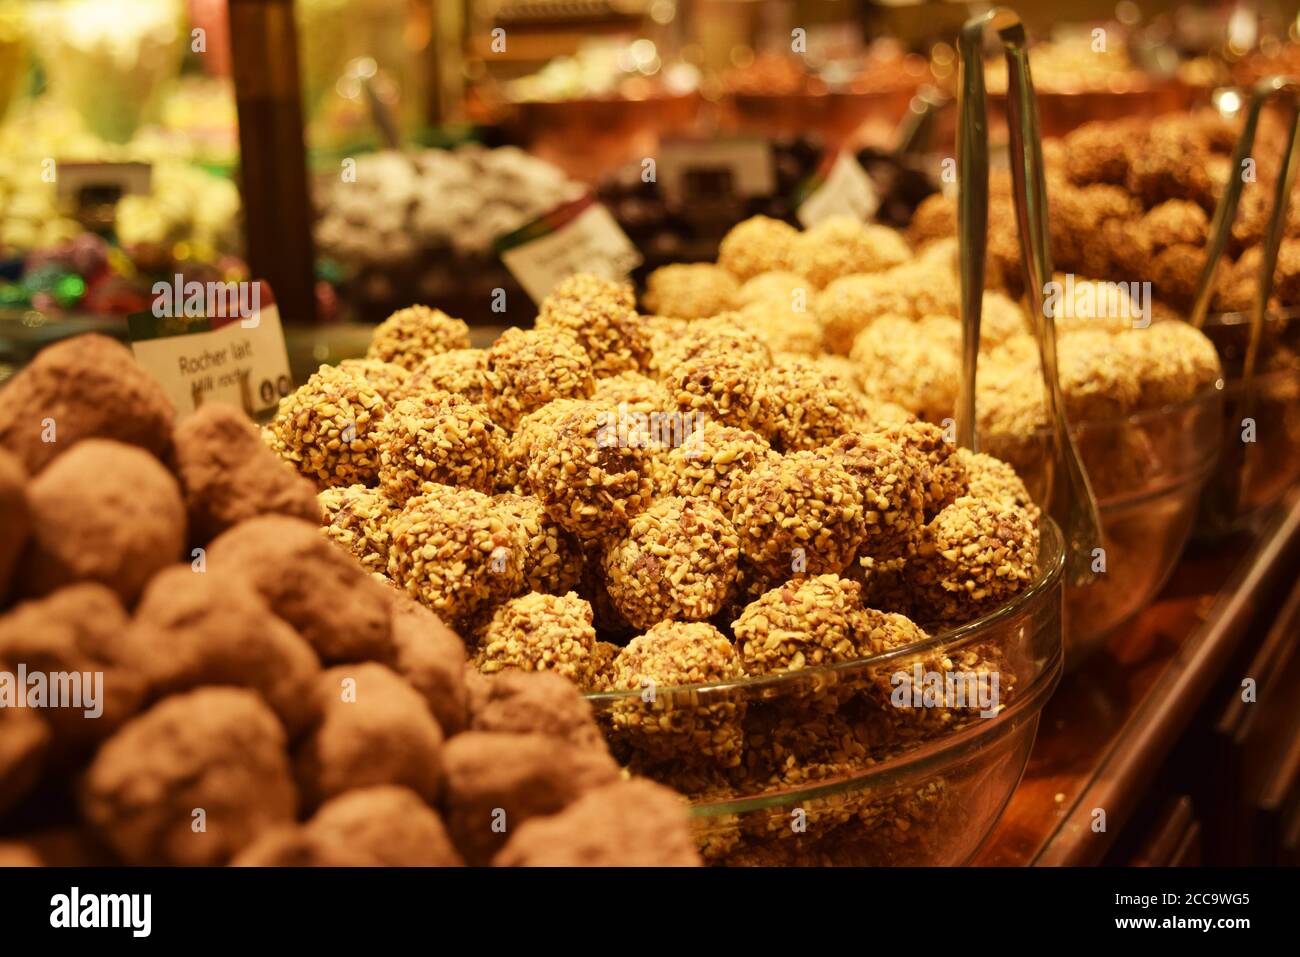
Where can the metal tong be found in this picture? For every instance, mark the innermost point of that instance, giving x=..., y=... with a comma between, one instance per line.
x=1226, y=491
x=1069, y=498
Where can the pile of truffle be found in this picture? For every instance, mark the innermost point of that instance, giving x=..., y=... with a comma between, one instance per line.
x=649, y=501
x=192, y=674
x=1132, y=200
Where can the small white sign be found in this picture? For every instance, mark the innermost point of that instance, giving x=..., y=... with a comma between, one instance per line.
x=240, y=363
x=848, y=191
x=123, y=179
x=687, y=166
x=590, y=242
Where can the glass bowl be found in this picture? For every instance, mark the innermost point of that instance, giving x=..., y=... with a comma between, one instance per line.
x=851, y=763
x=1147, y=470
x=1254, y=475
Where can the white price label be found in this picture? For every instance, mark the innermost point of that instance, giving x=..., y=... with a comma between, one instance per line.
x=590, y=241
x=728, y=166
x=239, y=362
x=848, y=191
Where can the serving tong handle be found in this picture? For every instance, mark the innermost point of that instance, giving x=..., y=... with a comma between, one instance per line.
x=1226, y=493
x=1069, y=498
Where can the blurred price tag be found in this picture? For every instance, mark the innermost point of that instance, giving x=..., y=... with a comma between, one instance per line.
x=580, y=236
x=102, y=182
x=689, y=169
x=846, y=190
x=207, y=344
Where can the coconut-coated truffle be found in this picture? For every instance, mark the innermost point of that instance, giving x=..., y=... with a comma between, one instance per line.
x=411, y=335
x=387, y=378
x=805, y=408
x=373, y=728
x=525, y=369
x=712, y=462
x=389, y=824
x=496, y=782
x=437, y=437
x=212, y=628
x=662, y=725
x=601, y=315
x=1175, y=361
x=432, y=658
x=106, y=512
x=460, y=371
x=783, y=328
x=842, y=246
x=310, y=583
x=801, y=624
x=24, y=744
x=86, y=387
x=325, y=429
x=77, y=629
x=227, y=474
x=690, y=290
x=893, y=492
x=453, y=551
x=1098, y=381
x=552, y=560
x=779, y=287
x=800, y=513
x=591, y=469
x=853, y=303
x=356, y=517
x=898, y=364
x=973, y=556
x=542, y=702
x=216, y=750
x=677, y=560
x=626, y=824
x=539, y=633
x=14, y=517
x=757, y=245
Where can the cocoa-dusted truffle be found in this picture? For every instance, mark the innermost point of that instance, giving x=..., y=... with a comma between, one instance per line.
x=106, y=512
x=411, y=335
x=722, y=388
x=219, y=751
x=542, y=702
x=325, y=429
x=227, y=474
x=212, y=628
x=841, y=246
x=85, y=387
x=800, y=513
x=77, y=629
x=496, y=782
x=388, y=824
x=387, y=378
x=659, y=723
x=690, y=290
x=373, y=728
x=805, y=408
x=626, y=824
x=601, y=315
x=525, y=369
x=460, y=371
x=356, y=517
x=712, y=461
x=801, y=624
x=14, y=517
x=539, y=633
x=452, y=550
x=24, y=742
x=436, y=437
x=591, y=469
x=757, y=245
x=677, y=560
x=893, y=492
x=974, y=555
x=311, y=584
x=552, y=561
x=432, y=658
